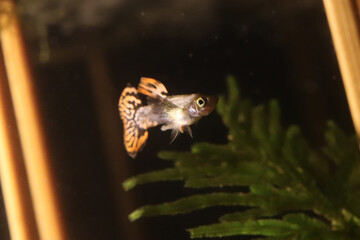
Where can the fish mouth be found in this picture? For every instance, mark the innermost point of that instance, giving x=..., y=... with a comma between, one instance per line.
x=212, y=101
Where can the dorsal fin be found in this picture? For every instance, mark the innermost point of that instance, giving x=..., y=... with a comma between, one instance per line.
x=152, y=88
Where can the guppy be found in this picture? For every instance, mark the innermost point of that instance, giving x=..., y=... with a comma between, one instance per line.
x=176, y=112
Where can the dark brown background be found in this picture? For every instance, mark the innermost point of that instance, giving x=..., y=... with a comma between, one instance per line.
x=276, y=49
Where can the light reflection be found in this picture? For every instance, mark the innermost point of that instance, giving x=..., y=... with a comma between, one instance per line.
x=29, y=126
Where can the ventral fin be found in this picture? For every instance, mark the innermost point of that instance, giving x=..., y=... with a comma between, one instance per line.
x=174, y=135
x=152, y=88
x=188, y=130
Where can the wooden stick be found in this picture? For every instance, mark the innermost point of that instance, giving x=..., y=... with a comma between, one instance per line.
x=15, y=190
x=28, y=121
x=342, y=18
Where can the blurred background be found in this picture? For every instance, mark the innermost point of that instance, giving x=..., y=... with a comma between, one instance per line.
x=83, y=53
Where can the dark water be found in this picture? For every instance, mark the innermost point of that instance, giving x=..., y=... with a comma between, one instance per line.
x=275, y=49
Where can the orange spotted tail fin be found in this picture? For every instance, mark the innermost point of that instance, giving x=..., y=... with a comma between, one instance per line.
x=134, y=136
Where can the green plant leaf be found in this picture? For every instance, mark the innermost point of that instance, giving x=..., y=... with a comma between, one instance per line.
x=156, y=176
x=266, y=227
x=250, y=214
x=196, y=202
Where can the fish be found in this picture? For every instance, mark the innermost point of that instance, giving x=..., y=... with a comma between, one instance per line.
x=173, y=112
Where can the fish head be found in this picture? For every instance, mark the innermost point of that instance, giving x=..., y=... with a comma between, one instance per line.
x=202, y=105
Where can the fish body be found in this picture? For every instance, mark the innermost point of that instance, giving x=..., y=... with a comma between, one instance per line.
x=174, y=113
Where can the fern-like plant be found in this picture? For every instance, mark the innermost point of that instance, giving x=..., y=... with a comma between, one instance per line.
x=294, y=192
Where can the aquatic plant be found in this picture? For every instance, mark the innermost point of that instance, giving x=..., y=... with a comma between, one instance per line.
x=293, y=192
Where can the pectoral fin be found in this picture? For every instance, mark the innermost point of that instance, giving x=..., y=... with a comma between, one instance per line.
x=152, y=88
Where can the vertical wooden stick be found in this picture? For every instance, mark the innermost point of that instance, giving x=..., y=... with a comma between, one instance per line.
x=28, y=121
x=12, y=173
x=343, y=22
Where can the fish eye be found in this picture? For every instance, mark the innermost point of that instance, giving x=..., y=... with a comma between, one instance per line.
x=200, y=102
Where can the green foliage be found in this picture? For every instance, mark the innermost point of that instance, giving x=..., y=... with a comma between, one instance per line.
x=294, y=192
